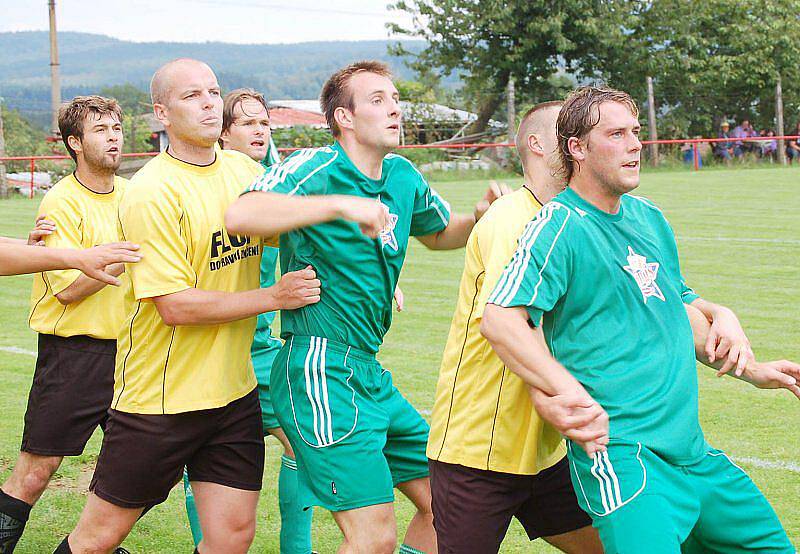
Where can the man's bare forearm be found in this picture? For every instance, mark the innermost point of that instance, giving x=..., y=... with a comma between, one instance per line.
x=18, y=259
x=209, y=307
x=453, y=236
x=9, y=240
x=269, y=214
x=85, y=286
x=524, y=350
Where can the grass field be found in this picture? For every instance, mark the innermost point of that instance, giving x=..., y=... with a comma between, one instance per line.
x=739, y=238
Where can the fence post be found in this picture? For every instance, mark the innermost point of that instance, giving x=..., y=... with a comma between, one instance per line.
x=33, y=169
x=779, y=121
x=696, y=156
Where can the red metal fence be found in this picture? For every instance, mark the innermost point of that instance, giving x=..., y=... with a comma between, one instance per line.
x=453, y=146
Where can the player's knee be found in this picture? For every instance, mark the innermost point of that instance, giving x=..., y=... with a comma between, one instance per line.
x=381, y=539
x=98, y=540
x=235, y=536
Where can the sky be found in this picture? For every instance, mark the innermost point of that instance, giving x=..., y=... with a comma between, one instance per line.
x=237, y=21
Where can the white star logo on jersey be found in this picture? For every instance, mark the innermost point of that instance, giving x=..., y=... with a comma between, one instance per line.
x=387, y=234
x=645, y=274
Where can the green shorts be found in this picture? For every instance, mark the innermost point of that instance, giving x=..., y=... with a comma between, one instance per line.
x=263, y=357
x=641, y=503
x=354, y=435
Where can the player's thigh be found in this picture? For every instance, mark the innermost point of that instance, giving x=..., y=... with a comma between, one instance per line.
x=472, y=508
x=321, y=391
x=735, y=516
x=552, y=512
x=103, y=524
x=224, y=510
x=278, y=433
x=407, y=435
x=369, y=528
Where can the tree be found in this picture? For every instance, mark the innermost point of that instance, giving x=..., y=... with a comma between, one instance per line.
x=486, y=42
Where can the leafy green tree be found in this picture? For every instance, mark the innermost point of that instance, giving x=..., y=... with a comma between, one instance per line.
x=487, y=42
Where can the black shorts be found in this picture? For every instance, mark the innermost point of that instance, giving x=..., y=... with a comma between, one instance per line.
x=472, y=508
x=143, y=456
x=73, y=385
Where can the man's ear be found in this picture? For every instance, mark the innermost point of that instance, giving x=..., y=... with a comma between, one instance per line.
x=75, y=143
x=577, y=149
x=534, y=144
x=160, y=111
x=343, y=118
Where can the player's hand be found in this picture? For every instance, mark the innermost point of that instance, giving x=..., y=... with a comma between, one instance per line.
x=399, y=298
x=576, y=416
x=370, y=214
x=298, y=288
x=41, y=229
x=495, y=191
x=95, y=262
x=727, y=340
x=779, y=374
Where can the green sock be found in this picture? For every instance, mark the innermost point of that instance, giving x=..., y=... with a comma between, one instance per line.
x=191, y=510
x=295, y=522
x=405, y=549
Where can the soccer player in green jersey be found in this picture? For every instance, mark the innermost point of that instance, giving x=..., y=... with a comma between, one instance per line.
x=349, y=210
x=597, y=275
x=245, y=128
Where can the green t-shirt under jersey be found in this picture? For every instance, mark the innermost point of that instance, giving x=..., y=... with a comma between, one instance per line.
x=358, y=274
x=263, y=339
x=610, y=295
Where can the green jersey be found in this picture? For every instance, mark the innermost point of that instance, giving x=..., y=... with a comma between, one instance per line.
x=609, y=293
x=263, y=338
x=358, y=274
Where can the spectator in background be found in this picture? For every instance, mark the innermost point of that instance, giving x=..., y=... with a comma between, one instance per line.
x=793, y=145
x=769, y=148
x=745, y=130
x=726, y=150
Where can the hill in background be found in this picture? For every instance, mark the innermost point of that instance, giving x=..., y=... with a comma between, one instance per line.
x=90, y=61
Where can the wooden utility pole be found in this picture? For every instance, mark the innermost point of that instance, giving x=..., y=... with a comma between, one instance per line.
x=3, y=179
x=511, y=109
x=779, y=121
x=55, y=79
x=651, y=122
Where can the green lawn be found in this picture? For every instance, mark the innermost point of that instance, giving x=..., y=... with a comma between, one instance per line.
x=739, y=238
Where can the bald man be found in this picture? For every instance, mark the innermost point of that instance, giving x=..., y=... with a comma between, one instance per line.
x=491, y=456
x=185, y=392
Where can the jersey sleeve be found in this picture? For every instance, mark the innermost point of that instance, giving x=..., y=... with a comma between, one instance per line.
x=431, y=212
x=301, y=173
x=156, y=225
x=538, y=273
x=494, y=244
x=67, y=235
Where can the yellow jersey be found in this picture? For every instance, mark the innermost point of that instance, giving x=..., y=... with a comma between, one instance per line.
x=175, y=211
x=483, y=416
x=83, y=219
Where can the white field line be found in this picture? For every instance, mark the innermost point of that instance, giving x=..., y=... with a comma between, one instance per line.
x=757, y=462
x=752, y=240
x=16, y=350
x=767, y=464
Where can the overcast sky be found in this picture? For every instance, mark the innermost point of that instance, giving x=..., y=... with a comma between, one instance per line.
x=240, y=21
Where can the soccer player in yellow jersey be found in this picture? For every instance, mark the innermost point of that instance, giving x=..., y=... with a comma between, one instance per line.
x=77, y=317
x=491, y=456
x=184, y=389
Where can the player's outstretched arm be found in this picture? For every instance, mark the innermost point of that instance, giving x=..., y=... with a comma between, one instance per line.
x=457, y=232
x=559, y=397
x=17, y=259
x=269, y=214
x=778, y=374
x=207, y=307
